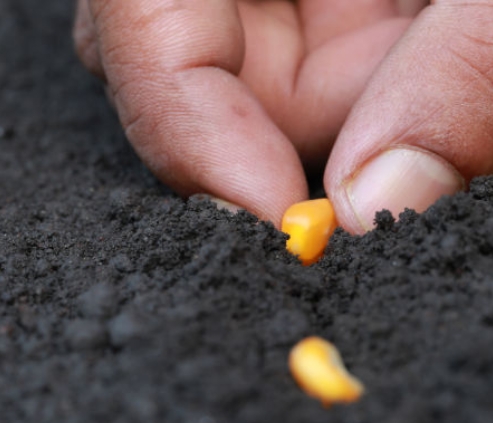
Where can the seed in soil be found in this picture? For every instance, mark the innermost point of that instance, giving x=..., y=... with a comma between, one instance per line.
x=317, y=367
x=309, y=225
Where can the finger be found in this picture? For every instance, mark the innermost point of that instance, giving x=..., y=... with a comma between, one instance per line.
x=308, y=95
x=171, y=67
x=330, y=80
x=323, y=20
x=84, y=35
x=423, y=127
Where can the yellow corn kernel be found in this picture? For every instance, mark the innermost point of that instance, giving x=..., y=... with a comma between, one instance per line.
x=309, y=225
x=318, y=368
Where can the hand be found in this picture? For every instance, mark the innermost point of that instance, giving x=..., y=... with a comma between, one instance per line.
x=230, y=98
x=424, y=125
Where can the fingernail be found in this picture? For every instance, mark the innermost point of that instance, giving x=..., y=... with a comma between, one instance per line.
x=400, y=178
x=225, y=205
x=219, y=202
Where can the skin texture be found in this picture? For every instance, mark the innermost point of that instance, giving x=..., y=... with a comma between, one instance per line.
x=240, y=99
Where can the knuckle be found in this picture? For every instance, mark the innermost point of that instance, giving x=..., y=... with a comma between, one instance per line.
x=85, y=45
x=86, y=48
x=85, y=40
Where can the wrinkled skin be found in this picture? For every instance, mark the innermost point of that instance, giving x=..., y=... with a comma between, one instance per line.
x=239, y=99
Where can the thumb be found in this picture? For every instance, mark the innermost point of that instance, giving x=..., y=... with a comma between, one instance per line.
x=423, y=126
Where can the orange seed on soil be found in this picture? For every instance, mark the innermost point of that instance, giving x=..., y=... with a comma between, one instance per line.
x=309, y=225
x=318, y=368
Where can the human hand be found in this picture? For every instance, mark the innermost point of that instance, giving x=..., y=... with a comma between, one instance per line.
x=230, y=97
x=427, y=110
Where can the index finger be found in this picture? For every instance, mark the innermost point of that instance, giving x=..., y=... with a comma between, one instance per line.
x=172, y=66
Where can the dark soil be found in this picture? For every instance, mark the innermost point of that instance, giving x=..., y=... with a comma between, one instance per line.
x=119, y=302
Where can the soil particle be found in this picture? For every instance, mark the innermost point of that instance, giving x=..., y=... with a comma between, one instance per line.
x=83, y=334
x=100, y=300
